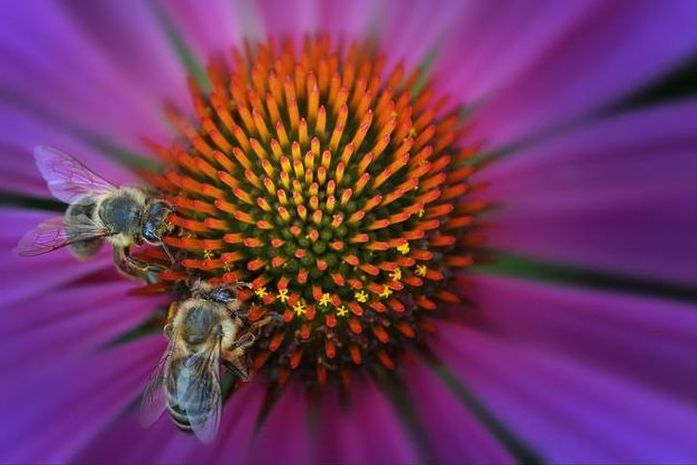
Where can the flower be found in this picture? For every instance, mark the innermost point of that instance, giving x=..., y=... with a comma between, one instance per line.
x=577, y=343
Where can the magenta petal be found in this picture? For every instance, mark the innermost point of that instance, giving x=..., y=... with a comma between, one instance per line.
x=565, y=410
x=366, y=431
x=287, y=424
x=618, y=194
x=614, y=52
x=649, y=341
x=20, y=132
x=131, y=37
x=412, y=30
x=83, y=323
x=56, y=410
x=337, y=439
x=211, y=28
x=493, y=42
x=292, y=18
x=25, y=277
x=453, y=433
x=47, y=60
x=163, y=443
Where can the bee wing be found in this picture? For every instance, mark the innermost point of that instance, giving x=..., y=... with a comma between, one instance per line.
x=67, y=178
x=200, y=393
x=154, y=400
x=52, y=234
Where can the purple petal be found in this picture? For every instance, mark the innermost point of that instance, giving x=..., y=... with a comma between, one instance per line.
x=130, y=36
x=51, y=66
x=618, y=194
x=213, y=27
x=25, y=277
x=291, y=18
x=621, y=47
x=366, y=431
x=79, y=320
x=495, y=41
x=286, y=425
x=410, y=30
x=564, y=409
x=55, y=410
x=649, y=341
x=20, y=132
x=454, y=434
x=163, y=443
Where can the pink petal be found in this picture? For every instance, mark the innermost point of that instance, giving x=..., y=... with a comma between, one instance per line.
x=164, y=443
x=79, y=321
x=620, y=48
x=367, y=430
x=618, y=194
x=25, y=277
x=20, y=132
x=454, y=434
x=58, y=409
x=211, y=28
x=47, y=61
x=493, y=42
x=133, y=40
x=286, y=426
x=565, y=410
x=648, y=341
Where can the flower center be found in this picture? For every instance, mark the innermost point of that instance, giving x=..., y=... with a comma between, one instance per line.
x=340, y=195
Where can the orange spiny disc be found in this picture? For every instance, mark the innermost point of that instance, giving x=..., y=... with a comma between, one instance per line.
x=333, y=187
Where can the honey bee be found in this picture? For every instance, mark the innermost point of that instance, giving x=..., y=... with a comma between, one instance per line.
x=97, y=211
x=204, y=331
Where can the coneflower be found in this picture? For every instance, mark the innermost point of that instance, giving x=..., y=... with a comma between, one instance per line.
x=472, y=222
x=339, y=194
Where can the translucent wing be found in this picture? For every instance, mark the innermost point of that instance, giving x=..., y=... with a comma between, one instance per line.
x=53, y=234
x=154, y=400
x=200, y=394
x=67, y=178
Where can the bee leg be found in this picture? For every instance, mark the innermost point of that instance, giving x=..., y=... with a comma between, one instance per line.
x=234, y=306
x=236, y=286
x=263, y=322
x=125, y=264
x=243, y=342
x=236, y=361
x=171, y=312
x=131, y=266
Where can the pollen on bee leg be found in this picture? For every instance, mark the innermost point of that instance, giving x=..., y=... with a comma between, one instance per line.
x=342, y=196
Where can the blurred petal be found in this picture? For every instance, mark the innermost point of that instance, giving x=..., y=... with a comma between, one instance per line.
x=618, y=194
x=367, y=430
x=211, y=27
x=411, y=30
x=173, y=446
x=649, y=341
x=25, y=277
x=296, y=441
x=495, y=41
x=567, y=411
x=97, y=313
x=612, y=53
x=20, y=132
x=454, y=434
x=297, y=17
x=55, y=410
x=408, y=30
x=47, y=61
x=131, y=38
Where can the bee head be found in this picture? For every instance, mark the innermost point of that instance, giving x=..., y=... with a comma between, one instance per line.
x=155, y=222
